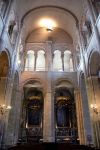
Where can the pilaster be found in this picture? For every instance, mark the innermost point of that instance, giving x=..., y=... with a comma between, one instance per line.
x=48, y=127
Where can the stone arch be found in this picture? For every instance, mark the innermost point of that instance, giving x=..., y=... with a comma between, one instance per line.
x=40, y=61
x=57, y=7
x=57, y=61
x=32, y=110
x=64, y=81
x=68, y=64
x=65, y=111
x=35, y=83
x=42, y=8
x=93, y=63
x=94, y=92
x=4, y=73
x=4, y=63
x=30, y=60
x=38, y=80
x=58, y=35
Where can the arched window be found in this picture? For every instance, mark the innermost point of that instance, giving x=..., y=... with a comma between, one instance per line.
x=11, y=28
x=40, y=62
x=14, y=34
x=68, y=64
x=57, y=61
x=71, y=64
x=30, y=59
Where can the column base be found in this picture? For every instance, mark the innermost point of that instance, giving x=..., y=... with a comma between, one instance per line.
x=49, y=139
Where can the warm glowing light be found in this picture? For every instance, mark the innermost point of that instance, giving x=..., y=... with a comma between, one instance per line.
x=60, y=70
x=47, y=23
x=8, y=107
x=26, y=125
x=19, y=61
x=93, y=106
x=3, y=105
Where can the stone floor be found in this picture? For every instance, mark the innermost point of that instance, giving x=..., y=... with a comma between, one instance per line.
x=51, y=146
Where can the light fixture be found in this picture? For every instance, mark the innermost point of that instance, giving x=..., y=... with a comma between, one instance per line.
x=49, y=24
x=19, y=62
x=4, y=108
x=26, y=125
x=60, y=70
x=94, y=107
x=49, y=30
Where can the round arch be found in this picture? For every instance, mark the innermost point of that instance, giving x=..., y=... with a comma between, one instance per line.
x=65, y=111
x=66, y=10
x=93, y=63
x=38, y=80
x=32, y=110
x=5, y=63
x=94, y=90
x=55, y=11
x=36, y=83
x=4, y=73
x=66, y=80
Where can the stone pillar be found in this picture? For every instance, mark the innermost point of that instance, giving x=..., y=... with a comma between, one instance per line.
x=62, y=57
x=86, y=113
x=17, y=114
x=3, y=82
x=82, y=46
x=48, y=126
x=4, y=100
x=49, y=56
x=89, y=4
x=79, y=117
x=13, y=120
x=35, y=61
x=67, y=56
x=93, y=97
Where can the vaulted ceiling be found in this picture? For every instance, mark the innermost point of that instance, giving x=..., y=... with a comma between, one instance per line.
x=65, y=13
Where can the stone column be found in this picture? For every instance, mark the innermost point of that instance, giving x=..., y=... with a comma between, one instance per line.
x=17, y=114
x=82, y=46
x=35, y=61
x=79, y=117
x=13, y=120
x=89, y=4
x=62, y=57
x=86, y=113
x=93, y=96
x=3, y=82
x=49, y=56
x=48, y=126
x=67, y=56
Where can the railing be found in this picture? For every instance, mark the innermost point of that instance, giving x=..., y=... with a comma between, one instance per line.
x=30, y=69
x=30, y=134
x=34, y=131
x=66, y=135
x=66, y=132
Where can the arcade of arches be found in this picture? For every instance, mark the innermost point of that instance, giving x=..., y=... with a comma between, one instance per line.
x=49, y=72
